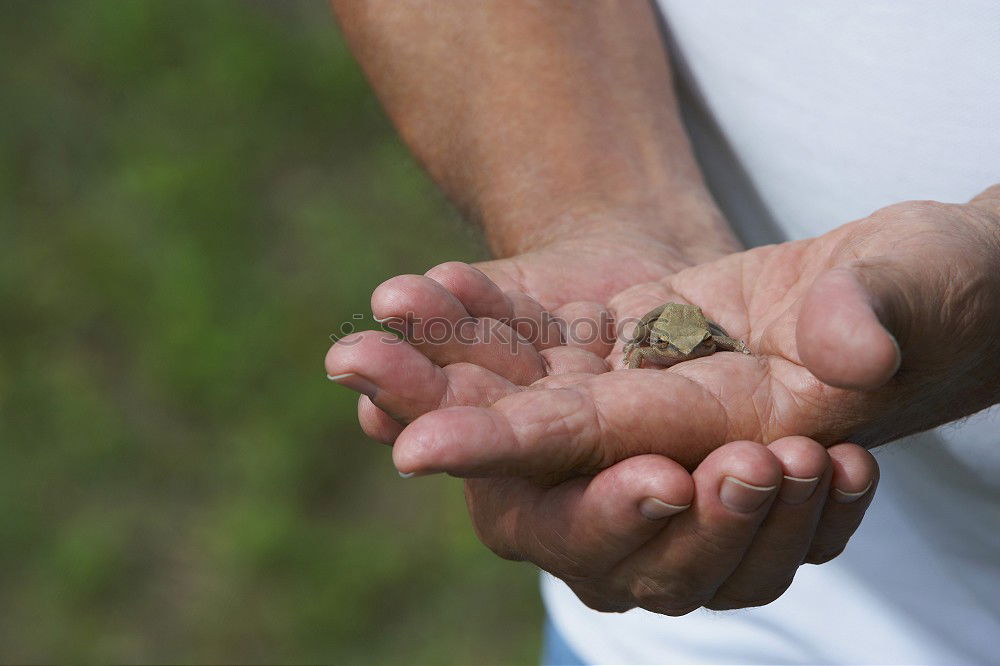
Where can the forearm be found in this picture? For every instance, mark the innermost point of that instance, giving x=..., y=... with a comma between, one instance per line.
x=541, y=120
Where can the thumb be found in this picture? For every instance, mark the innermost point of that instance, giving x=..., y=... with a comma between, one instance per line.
x=849, y=324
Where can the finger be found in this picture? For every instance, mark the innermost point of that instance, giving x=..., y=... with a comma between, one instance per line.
x=839, y=336
x=404, y=383
x=376, y=423
x=403, y=298
x=539, y=327
x=481, y=297
x=588, y=326
x=438, y=324
x=855, y=478
x=478, y=294
x=784, y=538
x=580, y=528
x=681, y=568
x=581, y=428
x=565, y=360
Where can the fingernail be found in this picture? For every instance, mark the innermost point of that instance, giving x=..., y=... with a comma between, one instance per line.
x=846, y=498
x=899, y=355
x=410, y=475
x=743, y=497
x=654, y=509
x=795, y=490
x=355, y=382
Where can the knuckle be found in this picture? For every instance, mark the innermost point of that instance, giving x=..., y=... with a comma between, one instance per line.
x=554, y=552
x=823, y=555
x=909, y=210
x=572, y=417
x=674, y=597
x=714, y=544
x=447, y=270
x=396, y=296
x=602, y=603
x=691, y=584
x=832, y=541
x=734, y=599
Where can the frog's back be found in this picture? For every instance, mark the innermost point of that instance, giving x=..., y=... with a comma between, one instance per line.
x=683, y=326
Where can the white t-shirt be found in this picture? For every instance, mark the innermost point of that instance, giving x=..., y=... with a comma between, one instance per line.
x=805, y=116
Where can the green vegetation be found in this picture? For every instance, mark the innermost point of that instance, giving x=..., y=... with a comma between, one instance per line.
x=193, y=197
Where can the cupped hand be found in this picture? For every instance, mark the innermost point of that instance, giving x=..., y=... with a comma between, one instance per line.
x=562, y=526
x=883, y=327
x=597, y=533
x=643, y=532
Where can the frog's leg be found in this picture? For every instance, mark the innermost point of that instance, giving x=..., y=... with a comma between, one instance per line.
x=635, y=356
x=715, y=329
x=645, y=325
x=663, y=358
x=726, y=343
x=641, y=334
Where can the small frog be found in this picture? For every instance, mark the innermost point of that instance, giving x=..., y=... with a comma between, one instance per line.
x=673, y=333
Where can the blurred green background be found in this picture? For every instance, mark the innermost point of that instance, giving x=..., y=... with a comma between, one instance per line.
x=193, y=197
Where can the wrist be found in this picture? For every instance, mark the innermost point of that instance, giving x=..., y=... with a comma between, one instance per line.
x=681, y=232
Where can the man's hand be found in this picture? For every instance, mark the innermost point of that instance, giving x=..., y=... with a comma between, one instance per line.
x=758, y=512
x=537, y=119
x=593, y=532
x=878, y=329
x=626, y=537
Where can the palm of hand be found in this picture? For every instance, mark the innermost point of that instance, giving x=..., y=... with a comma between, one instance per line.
x=760, y=398
x=757, y=296
x=593, y=268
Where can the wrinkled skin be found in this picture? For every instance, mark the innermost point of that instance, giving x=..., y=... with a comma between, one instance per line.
x=816, y=314
x=824, y=364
